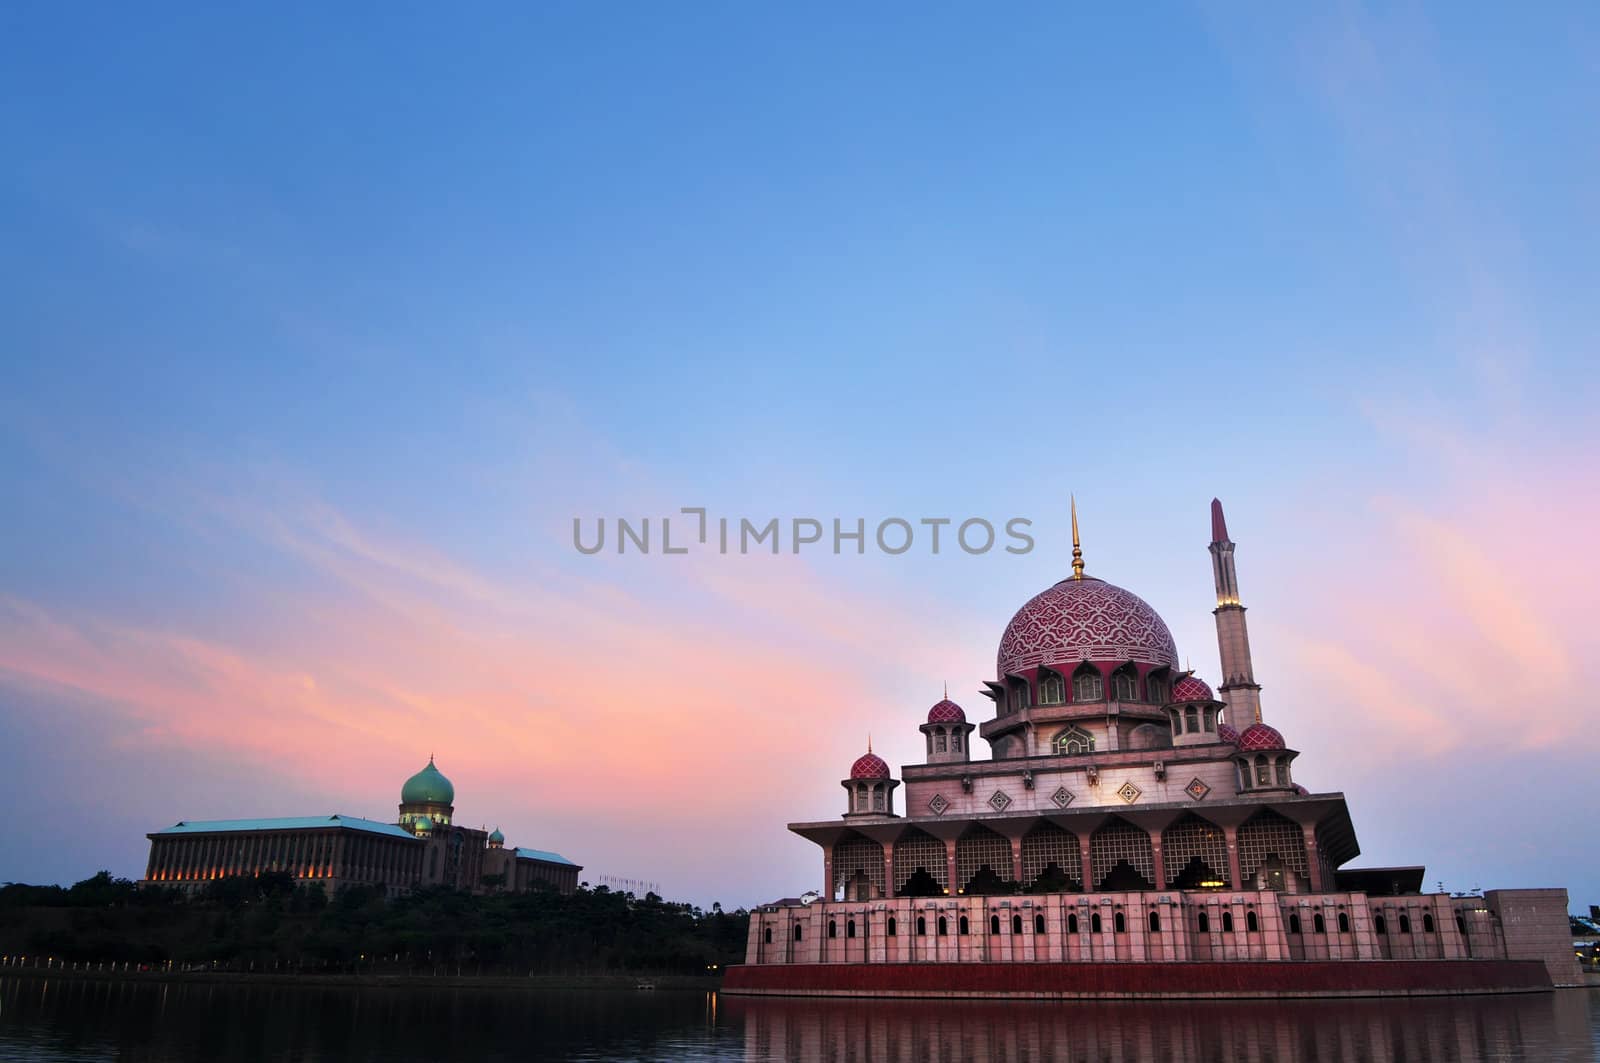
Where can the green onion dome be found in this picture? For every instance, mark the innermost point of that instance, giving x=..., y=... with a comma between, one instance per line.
x=423, y=825
x=496, y=837
x=428, y=787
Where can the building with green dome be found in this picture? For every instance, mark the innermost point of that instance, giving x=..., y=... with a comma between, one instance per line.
x=424, y=848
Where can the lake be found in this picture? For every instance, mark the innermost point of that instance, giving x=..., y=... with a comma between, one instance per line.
x=54, y=1020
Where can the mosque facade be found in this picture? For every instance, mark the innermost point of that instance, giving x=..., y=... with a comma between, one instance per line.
x=1135, y=831
x=424, y=848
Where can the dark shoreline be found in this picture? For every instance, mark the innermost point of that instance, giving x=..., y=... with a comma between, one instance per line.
x=629, y=982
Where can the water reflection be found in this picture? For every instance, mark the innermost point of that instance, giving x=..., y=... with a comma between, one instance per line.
x=1544, y=1027
x=78, y=1021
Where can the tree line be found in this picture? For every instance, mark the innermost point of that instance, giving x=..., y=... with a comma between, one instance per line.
x=270, y=922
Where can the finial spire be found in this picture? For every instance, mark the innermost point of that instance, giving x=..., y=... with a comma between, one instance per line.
x=1077, y=546
x=869, y=741
x=1219, y=523
x=947, y=690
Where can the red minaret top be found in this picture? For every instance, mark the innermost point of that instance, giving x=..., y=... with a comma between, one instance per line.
x=1219, y=525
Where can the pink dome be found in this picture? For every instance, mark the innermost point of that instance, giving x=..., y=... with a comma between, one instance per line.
x=1227, y=734
x=1260, y=736
x=1084, y=620
x=1301, y=790
x=1191, y=688
x=869, y=766
x=946, y=711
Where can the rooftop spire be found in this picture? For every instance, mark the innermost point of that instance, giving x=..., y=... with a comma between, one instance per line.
x=1219, y=525
x=1077, y=547
x=947, y=690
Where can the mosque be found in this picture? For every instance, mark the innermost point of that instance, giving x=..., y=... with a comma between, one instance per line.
x=1135, y=832
x=424, y=848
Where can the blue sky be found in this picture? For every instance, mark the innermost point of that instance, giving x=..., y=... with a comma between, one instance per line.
x=428, y=284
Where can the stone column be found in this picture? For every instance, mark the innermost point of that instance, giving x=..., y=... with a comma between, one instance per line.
x=827, y=874
x=1235, y=880
x=1313, y=859
x=1016, y=859
x=1160, y=865
x=888, y=869
x=950, y=883
x=1088, y=866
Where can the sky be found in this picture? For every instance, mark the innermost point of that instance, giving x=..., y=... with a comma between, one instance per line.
x=320, y=326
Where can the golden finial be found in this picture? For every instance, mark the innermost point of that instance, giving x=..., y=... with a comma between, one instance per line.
x=1077, y=547
x=869, y=741
x=947, y=690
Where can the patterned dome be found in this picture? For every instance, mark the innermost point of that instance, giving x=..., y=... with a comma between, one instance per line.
x=1191, y=688
x=1084, y=620
x=946, y=711
x=869, y=766
x=423, y=825
x=1260, y=736
x=428, y=787
x=496, y=838
x=1227, y=734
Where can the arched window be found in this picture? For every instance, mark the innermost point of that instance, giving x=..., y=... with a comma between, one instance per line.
x=962, y=926
x=1094, y=923
x=1019, y=694
x=944, y=927
x=833, y=929
x=938, y=740
x=1155, y=922
x=922, y=926
x=1227, y=922
x=1175, y=718
x=1038, y=923
x=1283, y=771
x=767, y=935
x=1119, y=924
x=1191, y=720
x=1263, y=771
x=929, y=737
x=1203, y=923
x=1052, y=688
x=1344, y=923
x=1461, y=925
x=1125, y=684
x=877, y=798
x=1294, y=922
x=994, y=924
x=1250, y=922
x=849, y=928
x=1086, y=684
x=1318, y=924
x=1405, y=924
x=1073, y=741
x=955, y=741
x=1211, y=720
x=1072, y=922
x=1427, y=922
x=1016, y=924
x=798, y=931
x=894, y=926
x=1380, y=924
x=1158, y=690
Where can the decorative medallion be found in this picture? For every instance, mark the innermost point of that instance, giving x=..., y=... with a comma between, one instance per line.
x=1129, y=792
x=1197, y=789
x=999, y=801
x=1062, y=797
x=938, y=804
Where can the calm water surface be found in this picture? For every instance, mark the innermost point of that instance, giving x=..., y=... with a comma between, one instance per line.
x=57, y=1020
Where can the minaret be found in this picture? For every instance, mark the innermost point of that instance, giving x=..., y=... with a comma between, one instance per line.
x=1239, y=689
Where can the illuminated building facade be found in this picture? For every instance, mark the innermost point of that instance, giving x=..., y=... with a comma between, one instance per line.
x=424, y=848
x=1129, y=815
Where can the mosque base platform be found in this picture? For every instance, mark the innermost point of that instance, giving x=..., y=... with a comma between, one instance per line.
x=1141, y=981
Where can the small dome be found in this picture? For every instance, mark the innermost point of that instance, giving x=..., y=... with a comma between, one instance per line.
x=496, y=838
x=1260, y=736
x=423, y=825
x=1301, y=790
x=946, y=711
x=869, y=766
x=428, y=787
x=1227, y=734
x=1191, y=688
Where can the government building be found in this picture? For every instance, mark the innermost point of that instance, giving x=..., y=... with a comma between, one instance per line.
x=1134, y=832
x=424, y=848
